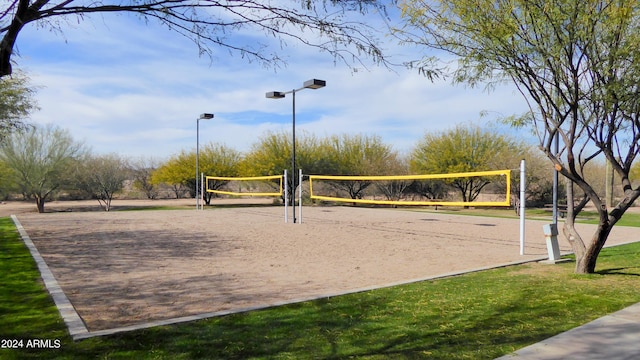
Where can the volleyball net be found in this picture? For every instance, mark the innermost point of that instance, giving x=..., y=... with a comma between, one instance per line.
x=271, y=185
x=421, y=190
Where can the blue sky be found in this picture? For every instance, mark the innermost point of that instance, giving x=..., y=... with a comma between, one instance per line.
x=125, y=87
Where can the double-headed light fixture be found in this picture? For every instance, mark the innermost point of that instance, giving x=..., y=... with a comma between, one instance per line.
x=309, y=84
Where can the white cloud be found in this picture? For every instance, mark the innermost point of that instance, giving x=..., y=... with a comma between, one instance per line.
x=136, y=90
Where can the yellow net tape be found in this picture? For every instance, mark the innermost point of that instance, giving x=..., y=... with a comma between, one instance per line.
x=246, y=178
x=505, y=202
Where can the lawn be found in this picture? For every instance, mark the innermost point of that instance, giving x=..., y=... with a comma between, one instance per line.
x=475, y=316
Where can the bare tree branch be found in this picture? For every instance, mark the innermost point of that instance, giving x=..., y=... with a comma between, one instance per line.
x=210, y=24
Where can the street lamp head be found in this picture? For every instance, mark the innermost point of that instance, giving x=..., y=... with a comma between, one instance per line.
x=314, y=84
x=205, y=116
x=274, y=95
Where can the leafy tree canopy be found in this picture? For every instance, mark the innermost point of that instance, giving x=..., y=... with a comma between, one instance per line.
x=576, y=63
x=465, y=148
x=16, y=102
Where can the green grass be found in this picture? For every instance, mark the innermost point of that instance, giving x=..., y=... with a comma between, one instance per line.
x=475, y=316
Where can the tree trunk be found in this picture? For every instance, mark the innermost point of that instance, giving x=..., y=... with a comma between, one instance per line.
x=569, y=230
x=105, y=203
x=40, y=204
x=586, y=264
x=587, y=255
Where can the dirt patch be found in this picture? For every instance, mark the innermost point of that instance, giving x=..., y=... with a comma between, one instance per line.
x=129, y=267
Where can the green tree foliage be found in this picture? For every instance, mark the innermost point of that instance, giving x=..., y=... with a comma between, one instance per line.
x=634, y=174
x=465, y=148
x=16, y=103
x=577, y=65
x=41, y=158
x=539, y=178
x=101, y=177
x=271, y=155
x=213, y=24
x=395, y=189
x=218, y=160
x=334, y=155
x=359, y=155
x=313, y=155
x=7, y=183
x=179, y=171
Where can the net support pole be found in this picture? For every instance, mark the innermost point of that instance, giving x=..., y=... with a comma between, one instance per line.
x=201, y=191
x=300, y=196
x=286, y=197
x=522, y=203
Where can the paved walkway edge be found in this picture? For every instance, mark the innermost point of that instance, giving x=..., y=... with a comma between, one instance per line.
x=613, y=337
x=71, y=318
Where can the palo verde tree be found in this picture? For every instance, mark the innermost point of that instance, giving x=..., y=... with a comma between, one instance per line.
x=271, y=155
x=41, y=159
x=218, y=160
x=329, y=25
x=577, y=64
x=465, y=148
x=394, y=190
x=179, y=173
x=360, y=155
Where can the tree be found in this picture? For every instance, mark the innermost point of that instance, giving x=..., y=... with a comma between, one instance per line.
x=360, y=155
x=271, y=155
x=634, y=174
x=179, y=170
x=41, y=158
x=16, y=103
x=394, y=190
x=7, y=183
x=465, y=148
x=218, y=160
x=142, y=170
x=577, y=65
x=101, y=177
x=179, y=173
x=326, y=25
x=539, y=178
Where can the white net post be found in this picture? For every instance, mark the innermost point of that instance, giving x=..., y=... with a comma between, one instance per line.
x=300, y=197
x=286, y=197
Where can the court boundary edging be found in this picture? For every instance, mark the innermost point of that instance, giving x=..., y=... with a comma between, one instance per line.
x=78, y=330
x=71, y=318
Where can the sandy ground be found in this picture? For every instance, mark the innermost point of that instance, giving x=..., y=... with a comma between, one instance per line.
x=129, y=267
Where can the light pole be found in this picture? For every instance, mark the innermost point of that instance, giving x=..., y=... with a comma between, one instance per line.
x=205, y=116
x=309, y=84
